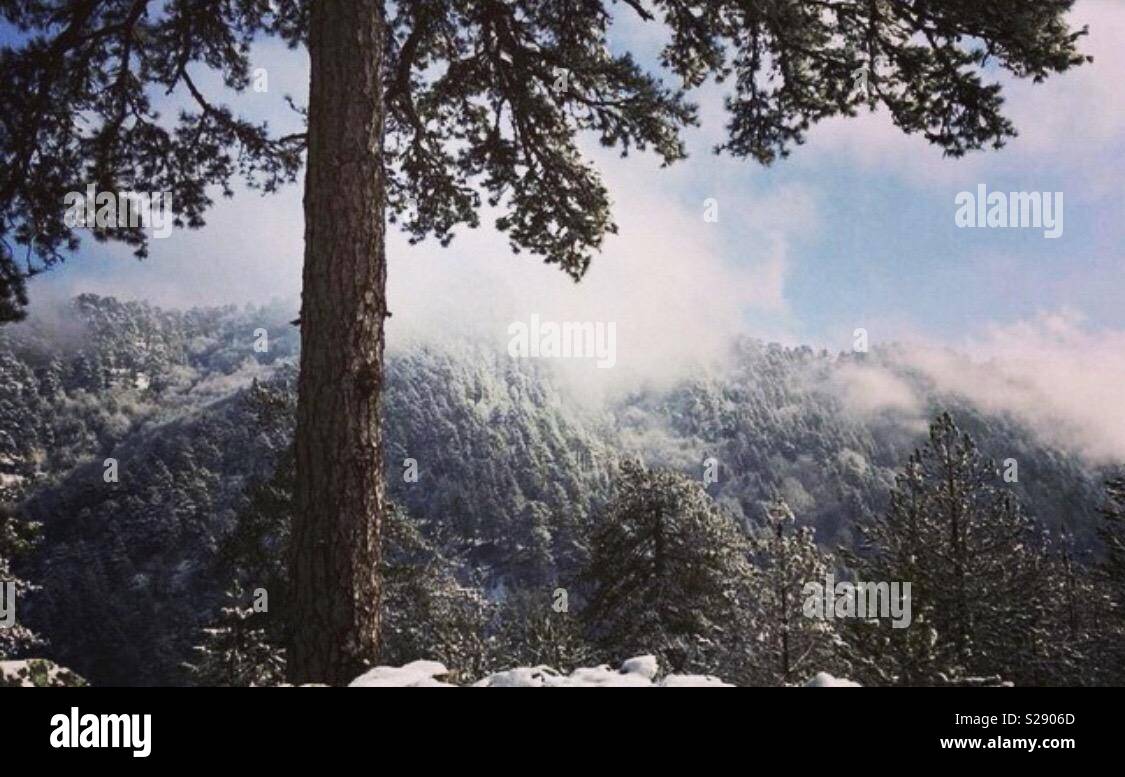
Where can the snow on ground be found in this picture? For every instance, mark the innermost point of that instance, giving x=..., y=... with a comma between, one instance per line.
x=825, y=680
x=693, y=681
x=645, y=666
x=638, y=672
x=416, y=674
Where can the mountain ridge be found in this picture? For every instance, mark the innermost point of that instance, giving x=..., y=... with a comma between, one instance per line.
x=511, y=470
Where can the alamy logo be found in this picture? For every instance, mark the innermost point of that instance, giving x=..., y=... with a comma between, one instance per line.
x=829, y=600
x=1004, y=210
x=566, y=340
x=107, y=210
x=83, y=731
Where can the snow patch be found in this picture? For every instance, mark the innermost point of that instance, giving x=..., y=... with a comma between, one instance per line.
x=825, y=680
x=10, y=481
x=642, y=665
x=638, y=672
x=417, y=674
x=693, y=681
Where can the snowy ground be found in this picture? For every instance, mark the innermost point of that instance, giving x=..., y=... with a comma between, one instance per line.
x=639, y=672
x=825, y=680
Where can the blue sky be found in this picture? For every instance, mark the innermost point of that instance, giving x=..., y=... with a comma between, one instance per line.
x=874, y=244
x=855, y=229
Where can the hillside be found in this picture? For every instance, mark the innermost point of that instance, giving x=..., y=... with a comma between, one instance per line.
x=510, y=468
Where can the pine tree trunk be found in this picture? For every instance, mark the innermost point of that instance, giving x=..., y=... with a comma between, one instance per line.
x=334, y=576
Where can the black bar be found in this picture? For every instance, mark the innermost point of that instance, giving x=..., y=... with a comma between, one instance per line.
x=223, y=726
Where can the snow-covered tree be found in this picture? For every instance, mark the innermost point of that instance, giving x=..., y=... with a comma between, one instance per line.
x=667, y=571
x=17, y=538
x=534, y=630
x=974, y=562
x=428, y=613
x=1082, y=638
x=236, y=650
x=1112, y=533
x=785, y=645
x=1112, y=576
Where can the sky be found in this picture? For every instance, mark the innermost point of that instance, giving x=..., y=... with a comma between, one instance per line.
x=855, y=230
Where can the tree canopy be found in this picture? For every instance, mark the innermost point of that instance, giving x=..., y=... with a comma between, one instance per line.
x=485, y=101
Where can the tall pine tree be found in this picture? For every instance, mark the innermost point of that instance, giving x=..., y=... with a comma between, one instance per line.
x=1112, y=575
x=666, y=573
x=785, y=646
x=420, y=113
x=974, y=562
x=17, y=538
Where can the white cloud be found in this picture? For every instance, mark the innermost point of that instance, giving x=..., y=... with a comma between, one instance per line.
x=664, y=279
x=872, y=391
x=1054, y=375
x=1057, y=376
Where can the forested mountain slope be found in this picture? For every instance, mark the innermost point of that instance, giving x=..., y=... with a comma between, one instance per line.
x=490, y=454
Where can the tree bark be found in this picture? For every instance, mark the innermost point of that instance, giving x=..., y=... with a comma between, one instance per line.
x=340, y=497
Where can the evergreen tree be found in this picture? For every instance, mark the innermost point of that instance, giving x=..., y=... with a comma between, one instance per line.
x=1111, y=574
x=974, y=562
x=237, y=649
x=427, y=612
x=17, y=538
x=666, y=573
x=1082, y=640
x=1112, y=533
x=786, y=646
x=532, y=632
x=532, y=560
